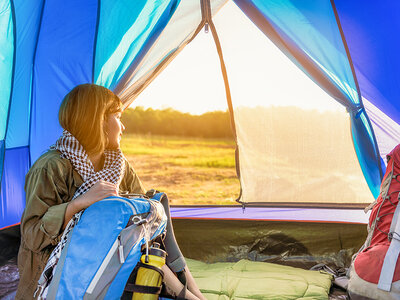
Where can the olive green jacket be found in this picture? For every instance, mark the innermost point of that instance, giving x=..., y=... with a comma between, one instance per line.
x=50, y=184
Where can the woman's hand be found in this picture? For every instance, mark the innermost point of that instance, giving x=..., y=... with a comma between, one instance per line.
x=100, y=190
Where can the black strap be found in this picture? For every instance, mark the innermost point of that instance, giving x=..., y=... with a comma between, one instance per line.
x=143, y=289
x=142, y=265
x=130, y=287
x=182, y=294
x=160, y=239
x=132, y=278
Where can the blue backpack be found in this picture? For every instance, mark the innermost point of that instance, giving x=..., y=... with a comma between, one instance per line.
x=105, y=246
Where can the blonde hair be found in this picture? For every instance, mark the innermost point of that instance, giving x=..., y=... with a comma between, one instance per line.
x=83, y=113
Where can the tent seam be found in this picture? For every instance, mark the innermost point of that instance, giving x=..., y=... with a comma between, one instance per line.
x=377, y=157
x=95, y=39
x=135, y=92
x=32, y=82
x=12, y=87
x=135, y=65
x=18, y=147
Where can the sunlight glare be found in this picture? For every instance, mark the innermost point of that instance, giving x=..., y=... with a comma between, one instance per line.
x=259, y=73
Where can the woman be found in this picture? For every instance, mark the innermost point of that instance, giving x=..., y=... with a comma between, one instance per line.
x=84, y=166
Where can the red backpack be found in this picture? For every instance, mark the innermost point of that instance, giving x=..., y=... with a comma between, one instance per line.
x=375, y=270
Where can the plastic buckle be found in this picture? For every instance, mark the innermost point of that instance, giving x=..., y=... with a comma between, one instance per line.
x=151, y=193
x=138, y=220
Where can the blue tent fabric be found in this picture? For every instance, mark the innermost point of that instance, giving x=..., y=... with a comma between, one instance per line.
x=369, y=159
x=7, y=40
x=27, y=18
x=14, y=157
x=64, y=58
x=47, y=47
x=140, y=24
x=12, y=196
x=69, y=54
x=2, y=149
x=53, y=49
x=372, y=37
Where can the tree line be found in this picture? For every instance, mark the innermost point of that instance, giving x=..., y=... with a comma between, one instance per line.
x=168, y=121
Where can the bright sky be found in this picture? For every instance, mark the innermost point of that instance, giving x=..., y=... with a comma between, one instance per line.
x=259, y=74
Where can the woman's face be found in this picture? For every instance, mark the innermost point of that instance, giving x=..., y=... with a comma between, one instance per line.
x=114, y=129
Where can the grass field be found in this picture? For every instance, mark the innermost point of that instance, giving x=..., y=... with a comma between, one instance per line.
x=189, y=170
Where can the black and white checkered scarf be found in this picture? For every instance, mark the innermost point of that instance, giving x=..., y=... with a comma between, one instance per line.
x=113, y=171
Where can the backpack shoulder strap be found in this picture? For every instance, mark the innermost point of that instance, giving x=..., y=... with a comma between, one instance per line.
x=390, y=261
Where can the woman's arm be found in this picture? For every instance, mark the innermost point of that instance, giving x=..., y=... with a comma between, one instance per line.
x=43, y=217
x=48, y=209
x=192, y=285
x=176, y=286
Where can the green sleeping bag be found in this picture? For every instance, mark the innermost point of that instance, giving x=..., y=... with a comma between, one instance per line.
x=258, y=280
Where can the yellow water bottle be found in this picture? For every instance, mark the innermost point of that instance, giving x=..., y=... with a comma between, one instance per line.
x=149, y=276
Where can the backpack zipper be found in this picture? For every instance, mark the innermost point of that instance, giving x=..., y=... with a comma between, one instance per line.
x=120, y=250
x=116, y=245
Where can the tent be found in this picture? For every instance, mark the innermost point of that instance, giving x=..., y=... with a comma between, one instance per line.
x=47, y=47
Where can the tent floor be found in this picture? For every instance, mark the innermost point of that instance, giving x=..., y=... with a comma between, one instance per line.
x=298, y=244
